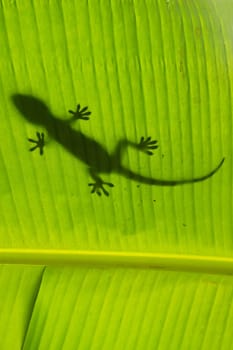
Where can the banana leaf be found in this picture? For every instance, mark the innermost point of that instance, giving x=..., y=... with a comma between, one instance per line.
x=116, y=174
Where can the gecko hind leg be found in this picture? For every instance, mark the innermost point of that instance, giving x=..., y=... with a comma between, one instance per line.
x=98, y=185
x=146, y=145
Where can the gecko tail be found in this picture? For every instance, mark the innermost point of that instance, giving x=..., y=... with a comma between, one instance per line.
x=160, y=182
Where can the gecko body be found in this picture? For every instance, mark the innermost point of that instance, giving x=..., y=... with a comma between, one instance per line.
x=88, y=150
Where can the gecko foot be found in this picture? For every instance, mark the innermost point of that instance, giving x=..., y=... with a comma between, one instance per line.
x=98, y=186
x=39, y=143
x=80, y=113
x=146, y=145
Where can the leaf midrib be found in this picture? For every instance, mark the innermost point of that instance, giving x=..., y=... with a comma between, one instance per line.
x=179, y=262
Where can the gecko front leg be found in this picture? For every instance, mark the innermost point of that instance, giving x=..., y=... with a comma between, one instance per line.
x=80, y=113
x=39, y=143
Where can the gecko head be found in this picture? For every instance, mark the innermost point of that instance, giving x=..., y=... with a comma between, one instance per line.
x=32, y=109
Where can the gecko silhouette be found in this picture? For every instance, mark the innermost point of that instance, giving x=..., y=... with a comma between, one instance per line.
x=89, y=151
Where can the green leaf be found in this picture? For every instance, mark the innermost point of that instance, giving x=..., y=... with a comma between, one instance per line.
x=18, y=294
x=141, y=265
